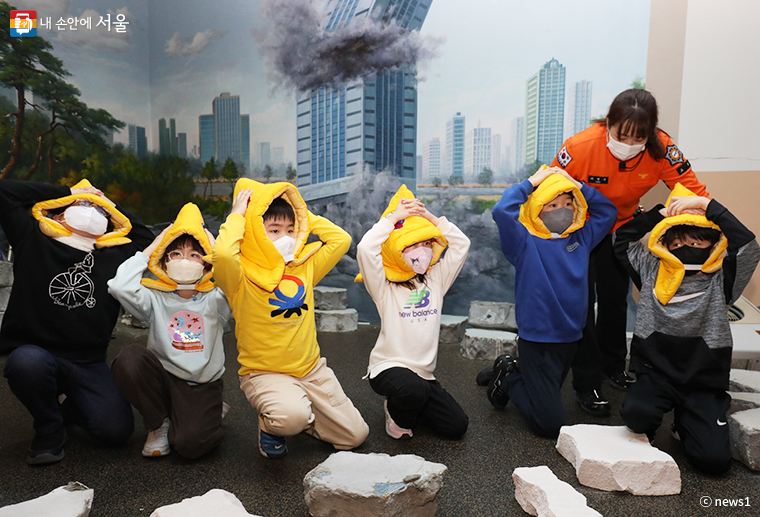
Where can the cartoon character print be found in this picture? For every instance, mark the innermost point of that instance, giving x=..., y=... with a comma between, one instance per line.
x=289, y=305
x=74, y=288
x=186, y=330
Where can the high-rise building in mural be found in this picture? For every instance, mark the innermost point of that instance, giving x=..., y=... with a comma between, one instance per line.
x=578, y=108
x=206, y=137
x=225, y=133
x=227, y=142
x=544, y=112
x=496, y=155
x=138, y=143
x=431, y=160
x=453, y=162
x=278, y=155
x=245, y=144
x=371, y=122
x=477, y=152
x=517, y=160
x=182, y=145
x=265, y=154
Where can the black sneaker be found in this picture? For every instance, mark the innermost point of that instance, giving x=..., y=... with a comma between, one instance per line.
x=503, y=365
x=484, y=377
x=620, y=380
x=593, y=403
x=47, y=449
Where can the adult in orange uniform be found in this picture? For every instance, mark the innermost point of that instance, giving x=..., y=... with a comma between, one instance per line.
x=623, y=157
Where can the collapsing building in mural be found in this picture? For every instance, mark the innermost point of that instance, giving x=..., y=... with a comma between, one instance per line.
x=369, y=122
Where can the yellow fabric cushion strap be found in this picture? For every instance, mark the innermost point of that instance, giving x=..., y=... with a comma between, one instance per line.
x=52, y=228
x=671, y=270
x=261, y=261
x=410, y=231
x=189, y=221
x=550, y=188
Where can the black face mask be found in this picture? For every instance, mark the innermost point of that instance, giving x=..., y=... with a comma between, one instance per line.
x=689, y=255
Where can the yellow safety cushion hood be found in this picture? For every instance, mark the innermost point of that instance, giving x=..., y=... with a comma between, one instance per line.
x=54, y=229
x=671, y=271
x=261, y=261
x=551, y=187
x=189, y=221
x=409, y=231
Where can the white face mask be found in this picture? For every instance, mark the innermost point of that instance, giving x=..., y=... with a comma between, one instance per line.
x=286, y=245
x=623, y=151
x=419, y=259
x=85, y=219
x=184, y=271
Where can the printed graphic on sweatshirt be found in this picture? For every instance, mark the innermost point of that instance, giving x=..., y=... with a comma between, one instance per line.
x=186, y=331
x=290, y=296
x=74, y=288
x=419, y=299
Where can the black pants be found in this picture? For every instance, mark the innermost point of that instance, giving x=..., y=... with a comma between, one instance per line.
x=195, y=411
x=412, y=399
x=536, y=388
x=93, y=402
x=603, y=347
x=700, y=418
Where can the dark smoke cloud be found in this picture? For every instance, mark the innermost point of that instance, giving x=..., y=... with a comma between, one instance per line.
x=301, y=56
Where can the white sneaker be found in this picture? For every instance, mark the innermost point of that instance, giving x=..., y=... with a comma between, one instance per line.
x=393, y=430
x=225, y=409
x=157, y=443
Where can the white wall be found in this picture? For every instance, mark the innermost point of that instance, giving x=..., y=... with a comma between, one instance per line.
x=720, y=92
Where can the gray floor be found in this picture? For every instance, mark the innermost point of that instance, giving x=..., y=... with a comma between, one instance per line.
x=478, y=483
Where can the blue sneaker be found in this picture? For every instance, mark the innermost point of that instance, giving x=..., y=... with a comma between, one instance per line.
x=271, y=446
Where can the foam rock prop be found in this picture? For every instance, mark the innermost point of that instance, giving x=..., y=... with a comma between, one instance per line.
x=493, y=315
x=487, y=344
x=345, y=320
x=348, y=484
x=216, y=502
x=744, y=380
x=613, y=458
x=743, y=400
x=72, y=500
x=330, y=298
x=744, y=431
x=452, y=329
x=540, y=493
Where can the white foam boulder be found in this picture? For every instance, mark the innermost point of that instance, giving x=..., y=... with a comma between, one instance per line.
x=744, y=431
x=744, y=380
x=452, y=329
x=349, y=484
x=487, y=344
x=72, y=500
x=542, y=494
x=613, y=458
x=330, y=298
x=493, y=315
x=216, y=502
x=340, y=320
x=743, y=400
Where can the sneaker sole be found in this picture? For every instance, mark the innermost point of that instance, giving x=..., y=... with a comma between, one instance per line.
x=277, y=456
x=594, y=412
x=157, y=453
x=484, y=376
x=45, y=458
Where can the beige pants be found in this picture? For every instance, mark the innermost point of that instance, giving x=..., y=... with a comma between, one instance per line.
x=314, y=403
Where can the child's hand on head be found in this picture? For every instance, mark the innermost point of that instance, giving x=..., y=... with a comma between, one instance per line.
x=563, y=172
x=240, y=203
x=406, y=208
x=687, y=205
x=541, y=174
x=154, y=245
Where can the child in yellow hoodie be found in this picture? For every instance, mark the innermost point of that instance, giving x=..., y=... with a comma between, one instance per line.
x=266, y=269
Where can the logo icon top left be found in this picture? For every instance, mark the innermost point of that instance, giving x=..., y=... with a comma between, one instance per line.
x=23, y=24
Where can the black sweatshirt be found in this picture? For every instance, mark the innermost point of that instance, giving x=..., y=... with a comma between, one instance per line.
x=59, y=299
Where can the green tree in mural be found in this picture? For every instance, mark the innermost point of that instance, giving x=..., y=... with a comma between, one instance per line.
x=455, y=180
x=638, y=83
x=290, y=172
x=209, y=173
x=267, y=172
x=25, y=64
x=485, y=177
x=230, y=170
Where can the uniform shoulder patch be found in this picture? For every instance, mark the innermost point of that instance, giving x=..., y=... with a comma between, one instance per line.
x=674, y=155
x=563, y=157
